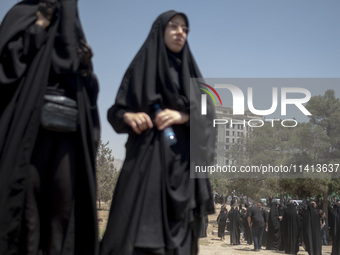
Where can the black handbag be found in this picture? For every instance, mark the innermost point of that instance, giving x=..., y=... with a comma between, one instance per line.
x=59, y=114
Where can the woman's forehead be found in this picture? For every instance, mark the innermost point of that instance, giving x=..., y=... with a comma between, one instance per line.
x=179, y=19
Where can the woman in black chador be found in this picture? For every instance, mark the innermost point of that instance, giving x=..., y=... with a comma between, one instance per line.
x=222, y=223
x=290, y=229
x=157, y=208
x=47, y=177
x=311, y=228
x=274, y=234
x=235, y=222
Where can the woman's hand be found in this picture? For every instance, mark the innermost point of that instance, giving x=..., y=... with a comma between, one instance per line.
x=42, y=21
x=46, y=11
x=139, y=121
x=169, y=117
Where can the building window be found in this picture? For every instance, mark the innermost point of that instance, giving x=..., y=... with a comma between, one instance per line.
x=227, y=133
x=227, y=147
x=227, y=140
x=227, y=161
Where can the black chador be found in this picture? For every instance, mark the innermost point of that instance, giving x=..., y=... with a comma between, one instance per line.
x=336, y=229
x=235, y=223
x=274, y=235
x=222, y=223
x=157, y=208
x=290, y=230
x=311, y=230
x=37, y=211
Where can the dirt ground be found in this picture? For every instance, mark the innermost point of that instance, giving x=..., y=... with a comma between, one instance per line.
x=213, y=245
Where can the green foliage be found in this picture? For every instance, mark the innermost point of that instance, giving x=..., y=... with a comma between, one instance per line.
x=106, y=173
x=326, y=115
x=316, y=142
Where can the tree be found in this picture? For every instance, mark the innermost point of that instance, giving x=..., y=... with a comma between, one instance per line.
x=326, y=114
x=107, y=175
x=306, y=145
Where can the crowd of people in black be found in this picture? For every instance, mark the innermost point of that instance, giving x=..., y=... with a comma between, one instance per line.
x=283, y=227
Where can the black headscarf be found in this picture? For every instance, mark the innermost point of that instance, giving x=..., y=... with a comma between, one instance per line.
x=148, y=79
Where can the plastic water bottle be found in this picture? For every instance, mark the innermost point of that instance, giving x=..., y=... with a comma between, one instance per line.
x=168, y=132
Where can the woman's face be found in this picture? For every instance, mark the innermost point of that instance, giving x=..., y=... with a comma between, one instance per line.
x=175, y=33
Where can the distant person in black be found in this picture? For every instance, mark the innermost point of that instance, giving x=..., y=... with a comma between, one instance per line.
x=331, y=217
x=280, y=209
x=235, y=223
x=274, y=235
x=222, y=223
x=242, y=210
x=265, y=215
x=247, y=231
x=311, y=226
x=256, y=223
x=290, y=229
x=323, y=228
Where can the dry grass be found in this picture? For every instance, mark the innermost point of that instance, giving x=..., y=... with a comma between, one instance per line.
x=103, y=215
x=102, y=220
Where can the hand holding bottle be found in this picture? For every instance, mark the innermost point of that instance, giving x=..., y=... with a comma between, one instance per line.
x=167, y=117
x=140, y=121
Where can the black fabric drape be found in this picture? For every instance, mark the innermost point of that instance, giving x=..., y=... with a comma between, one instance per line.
x=234, y=218
x=336, y=229
x=274, y=235
x=247, y=231
x=23, y=81
x=222, y=223
x=155, y=203
x=205, y=223
x=290, y=229
x=311, y=226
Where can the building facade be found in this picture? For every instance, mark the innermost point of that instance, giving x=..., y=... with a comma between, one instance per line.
x=229, y=129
